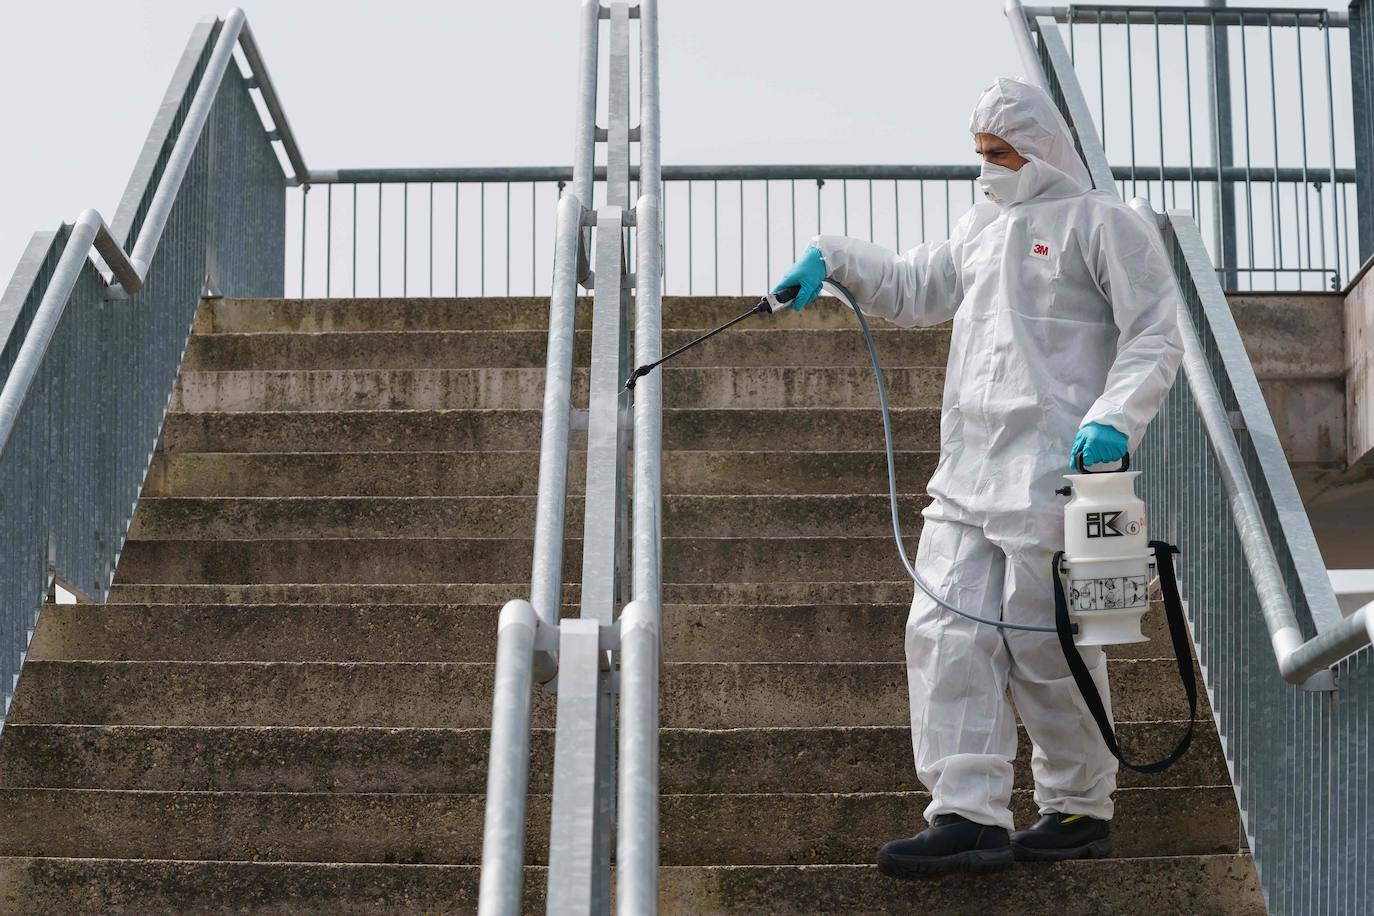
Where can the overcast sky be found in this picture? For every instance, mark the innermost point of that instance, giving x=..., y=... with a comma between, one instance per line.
x=439, y=82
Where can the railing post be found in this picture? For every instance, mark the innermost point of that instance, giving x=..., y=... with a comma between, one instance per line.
x=503, y=829
x=1362, y=103
x=1223, y=148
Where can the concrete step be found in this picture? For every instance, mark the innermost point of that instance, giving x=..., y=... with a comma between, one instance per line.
x=458, y=695
x=262, y=518
x=494, y=560
x=308, y=432
x=769, y=346
x=750, y=594
x=853, y=631
x=313, y=316
x=515, y=473
x=1214, y=885
x=523, y=389
x=408, y=760
x=761, y=829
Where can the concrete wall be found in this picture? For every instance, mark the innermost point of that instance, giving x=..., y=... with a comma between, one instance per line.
x=1311, y=355
x=1359, y=355
x=1296, y=344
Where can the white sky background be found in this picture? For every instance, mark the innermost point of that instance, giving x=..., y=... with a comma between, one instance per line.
x=444, y=83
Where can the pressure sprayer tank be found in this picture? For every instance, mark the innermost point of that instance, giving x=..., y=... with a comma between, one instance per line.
x=1107, y=558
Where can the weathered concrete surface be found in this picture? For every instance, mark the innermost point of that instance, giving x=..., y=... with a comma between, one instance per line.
x=514, y=473
x=310, y=432
x=858, y=630
x=458, y=694
x=197, y=518
x=527, y=349
x=1296, y=343
x=1215, y=885
x=312, y=316
x=289, y=390
x=432, y=828
x=1359, y=370
x=696, y=761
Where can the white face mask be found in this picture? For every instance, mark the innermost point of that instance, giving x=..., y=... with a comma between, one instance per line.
x=1001, y=185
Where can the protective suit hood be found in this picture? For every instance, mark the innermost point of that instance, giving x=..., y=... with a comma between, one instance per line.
x=1026, y=117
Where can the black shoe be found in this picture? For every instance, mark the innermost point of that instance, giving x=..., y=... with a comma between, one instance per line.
x=1063, y=836
x=951, y=843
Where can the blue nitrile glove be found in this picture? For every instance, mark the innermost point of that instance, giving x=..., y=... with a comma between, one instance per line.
x=1098, y=443
x=807, y=273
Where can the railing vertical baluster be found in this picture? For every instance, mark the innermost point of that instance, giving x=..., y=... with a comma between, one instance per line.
x=328, y=237
x=1249, y=154
x=482, y=239
x=379, y=239
x=820, y=183
x=844, y=202
x=922, y=185
x=1302, y=120
x=305, y=192
x=1336, y=211
x=534, y=239
x=715, y=238
x=1193, y=194
x=767, y=234
x=1276, y=201
x=690, y=240
x=405, y=239
x=870, y=209
x=458, y=210
x=353, y=258
x=947, y=223
x=1130, y=103
x=431, y=238
x=793, y=212
x=507, y=238
x=1101, y=86
x=896, y=215
x=741, y=237
x=1159, y=104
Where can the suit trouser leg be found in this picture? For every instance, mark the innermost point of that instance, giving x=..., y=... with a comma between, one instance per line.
x=963, y=731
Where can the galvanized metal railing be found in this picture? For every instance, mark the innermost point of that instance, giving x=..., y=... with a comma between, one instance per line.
x=1291, y=681
x=89, y=361
x=599, y=657
x=1257, y=96
x=477, y=231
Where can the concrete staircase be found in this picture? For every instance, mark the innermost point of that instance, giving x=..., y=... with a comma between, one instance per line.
x=283, y=707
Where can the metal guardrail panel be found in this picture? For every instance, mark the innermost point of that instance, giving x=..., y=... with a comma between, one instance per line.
x=88, y=378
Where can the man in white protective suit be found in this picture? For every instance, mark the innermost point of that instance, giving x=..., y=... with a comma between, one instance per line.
x=1064, y=343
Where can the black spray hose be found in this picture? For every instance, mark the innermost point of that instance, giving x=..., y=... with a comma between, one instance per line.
x=782, y=299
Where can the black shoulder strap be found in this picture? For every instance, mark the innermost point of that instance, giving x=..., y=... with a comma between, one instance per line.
x=1178, y=633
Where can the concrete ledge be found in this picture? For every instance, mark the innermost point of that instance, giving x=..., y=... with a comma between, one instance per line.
x=1214, y=885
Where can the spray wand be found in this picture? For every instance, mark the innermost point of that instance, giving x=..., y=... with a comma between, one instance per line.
x=773, y=302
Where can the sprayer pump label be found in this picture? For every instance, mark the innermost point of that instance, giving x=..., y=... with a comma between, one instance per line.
x=1105, y=525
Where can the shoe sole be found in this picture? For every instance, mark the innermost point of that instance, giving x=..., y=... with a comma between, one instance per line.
x=975, y=861
x=1097, y=849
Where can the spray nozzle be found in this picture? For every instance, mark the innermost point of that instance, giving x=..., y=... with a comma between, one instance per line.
x=778, y=300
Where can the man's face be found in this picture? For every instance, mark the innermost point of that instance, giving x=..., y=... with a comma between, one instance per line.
x=997, y=151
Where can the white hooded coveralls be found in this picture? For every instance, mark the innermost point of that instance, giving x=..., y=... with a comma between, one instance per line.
x=1064, y=309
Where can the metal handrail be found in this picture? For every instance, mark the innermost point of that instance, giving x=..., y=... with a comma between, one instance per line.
x=129, y=270
x=641, y=621
x=1300, y=661
x=827, y=172
x=532, y=642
